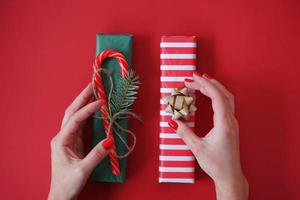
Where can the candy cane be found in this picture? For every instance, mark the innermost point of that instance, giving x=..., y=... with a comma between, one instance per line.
x=114, y=161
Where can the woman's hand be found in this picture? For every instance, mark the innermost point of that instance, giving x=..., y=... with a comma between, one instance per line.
x=218, y=152
x=70, y=169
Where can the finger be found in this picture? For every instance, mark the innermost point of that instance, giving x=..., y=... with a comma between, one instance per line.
x=219, y=100
x=226, y=92
x=96, y=155
x=75, y=122
x=221, y=87
x=186, y=134
x=81, y=100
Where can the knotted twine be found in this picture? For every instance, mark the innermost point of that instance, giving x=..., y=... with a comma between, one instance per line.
x=109, y=119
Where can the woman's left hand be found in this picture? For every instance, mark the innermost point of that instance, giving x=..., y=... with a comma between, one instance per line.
x=70, y=168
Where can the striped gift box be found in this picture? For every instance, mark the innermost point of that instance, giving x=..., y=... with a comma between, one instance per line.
x=178, y=61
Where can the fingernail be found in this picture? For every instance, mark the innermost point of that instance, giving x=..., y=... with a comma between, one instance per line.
x=205, y=75
x=197, y=74
x=188, y=80
x=173, y=124
x=107, y=143
x=99, y=102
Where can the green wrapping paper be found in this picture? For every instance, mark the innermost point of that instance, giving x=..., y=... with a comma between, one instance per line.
x=123, y=44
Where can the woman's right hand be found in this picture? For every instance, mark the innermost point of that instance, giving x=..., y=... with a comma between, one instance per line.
x=218, y=152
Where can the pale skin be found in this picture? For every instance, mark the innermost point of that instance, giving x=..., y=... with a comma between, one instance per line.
x=217, y=153
x=70, y=168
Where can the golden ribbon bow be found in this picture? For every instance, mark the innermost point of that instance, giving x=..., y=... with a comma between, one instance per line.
x=179, y=103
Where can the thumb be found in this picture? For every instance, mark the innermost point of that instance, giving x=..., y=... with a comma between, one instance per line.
x=97, y=154
x=186, y=134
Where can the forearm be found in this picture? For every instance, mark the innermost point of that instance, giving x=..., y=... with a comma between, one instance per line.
x=235, y=189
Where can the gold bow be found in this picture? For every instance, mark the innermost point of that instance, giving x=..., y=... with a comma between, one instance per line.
x=179, y=103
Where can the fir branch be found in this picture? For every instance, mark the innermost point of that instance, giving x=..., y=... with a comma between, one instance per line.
x=124, y=93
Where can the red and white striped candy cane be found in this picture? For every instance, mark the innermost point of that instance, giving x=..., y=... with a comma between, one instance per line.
x=114, y=161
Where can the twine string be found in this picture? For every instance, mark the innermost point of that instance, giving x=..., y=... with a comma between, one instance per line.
x=113, y=118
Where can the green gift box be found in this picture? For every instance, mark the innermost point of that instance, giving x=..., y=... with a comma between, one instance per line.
x=123, y=44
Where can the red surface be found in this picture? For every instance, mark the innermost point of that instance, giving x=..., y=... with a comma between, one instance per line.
x=46, y=56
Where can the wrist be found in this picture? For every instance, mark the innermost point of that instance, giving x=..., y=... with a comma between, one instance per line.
x=233, y=188
x=57, y=196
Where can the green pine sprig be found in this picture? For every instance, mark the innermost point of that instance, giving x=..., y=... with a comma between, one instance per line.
x=124, y=93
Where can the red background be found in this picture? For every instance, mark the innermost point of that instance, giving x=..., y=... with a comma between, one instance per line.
x=46, y=55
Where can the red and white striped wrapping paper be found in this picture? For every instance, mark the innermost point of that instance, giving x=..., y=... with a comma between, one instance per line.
x=178, y=61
